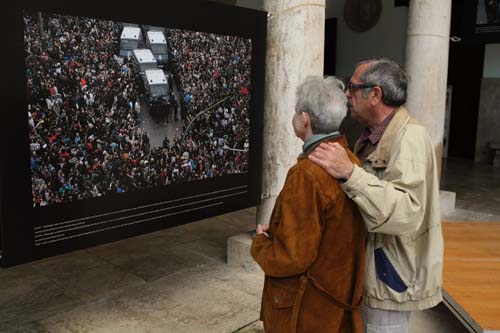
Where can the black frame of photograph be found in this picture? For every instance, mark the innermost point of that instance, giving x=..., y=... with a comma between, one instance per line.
x=118, y=216
x=464, y=24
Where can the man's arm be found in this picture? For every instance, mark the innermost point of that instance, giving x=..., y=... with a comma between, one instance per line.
x=293, y=246
x=396, y=204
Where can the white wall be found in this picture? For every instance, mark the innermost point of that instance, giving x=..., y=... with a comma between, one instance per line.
x=491, y=61
x=387, y=38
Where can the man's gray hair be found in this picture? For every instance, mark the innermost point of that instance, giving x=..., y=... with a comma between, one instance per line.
x=323, y=99
x=390, y=77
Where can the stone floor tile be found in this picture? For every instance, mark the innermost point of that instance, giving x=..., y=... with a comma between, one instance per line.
x=103, y=316
x=34, y=327
x=195, y=301
x=238, y=277
x=86, y=277
x=29, y=298
x=206, y=248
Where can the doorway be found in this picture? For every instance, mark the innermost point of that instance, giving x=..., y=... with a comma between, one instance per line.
x=465, y=71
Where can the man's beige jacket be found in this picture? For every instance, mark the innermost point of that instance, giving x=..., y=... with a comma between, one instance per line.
x=397, y=193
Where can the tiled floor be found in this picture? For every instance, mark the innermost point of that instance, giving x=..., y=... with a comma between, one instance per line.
x=176, y=280
x=476, y=185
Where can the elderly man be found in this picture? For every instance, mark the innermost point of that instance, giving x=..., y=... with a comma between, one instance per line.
x=312, y=252
x=397, y=193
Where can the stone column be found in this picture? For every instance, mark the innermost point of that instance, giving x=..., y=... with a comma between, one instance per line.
x=295, y=46
x=427, y=49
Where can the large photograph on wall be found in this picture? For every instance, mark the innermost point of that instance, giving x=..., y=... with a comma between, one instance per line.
x=115, y=107
x=128, y=121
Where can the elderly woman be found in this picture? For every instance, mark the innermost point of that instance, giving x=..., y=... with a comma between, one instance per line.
x=312, y=252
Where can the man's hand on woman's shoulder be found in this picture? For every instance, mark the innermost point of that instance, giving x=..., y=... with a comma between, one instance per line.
x=332, y=157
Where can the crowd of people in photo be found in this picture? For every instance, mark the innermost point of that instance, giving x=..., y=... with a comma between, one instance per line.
x=86, y=137
x=212, y=74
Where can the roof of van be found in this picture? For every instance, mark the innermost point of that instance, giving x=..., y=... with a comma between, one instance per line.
x=144, y=55
x=131, y=33
x=127, y=24
x=154, y=28
x=156, y=37
x=155, y=76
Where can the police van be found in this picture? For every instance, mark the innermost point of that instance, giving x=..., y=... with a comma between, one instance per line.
x=156, y=84
x=130, y=39
x=157, y=43
x=143, y=60
x=156, y=97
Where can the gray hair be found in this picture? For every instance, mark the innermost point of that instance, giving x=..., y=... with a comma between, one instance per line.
x=323, y=99
x=390, y=77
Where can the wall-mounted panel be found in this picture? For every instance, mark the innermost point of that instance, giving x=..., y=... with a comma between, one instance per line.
x=127, y=119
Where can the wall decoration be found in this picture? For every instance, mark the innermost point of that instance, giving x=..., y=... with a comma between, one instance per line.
x=362, y=15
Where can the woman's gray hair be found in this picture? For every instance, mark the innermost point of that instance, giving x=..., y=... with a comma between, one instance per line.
x=390, y=77
x=323, y=99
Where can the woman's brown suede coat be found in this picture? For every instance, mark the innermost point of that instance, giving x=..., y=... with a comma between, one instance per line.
x=314, y=256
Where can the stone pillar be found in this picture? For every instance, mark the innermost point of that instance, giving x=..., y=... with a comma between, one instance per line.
x=427, y=49
x=295, y=46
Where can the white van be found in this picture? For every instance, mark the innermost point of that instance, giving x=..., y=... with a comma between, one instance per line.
x=157, y=43
x=156, y=83
x=130, y=39
x=144, y=59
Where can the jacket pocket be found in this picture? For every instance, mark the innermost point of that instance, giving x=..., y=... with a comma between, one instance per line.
x=280, y=296
x=277, y=308
x=387, y=273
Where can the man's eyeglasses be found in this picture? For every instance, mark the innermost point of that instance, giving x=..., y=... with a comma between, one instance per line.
x=351, y=86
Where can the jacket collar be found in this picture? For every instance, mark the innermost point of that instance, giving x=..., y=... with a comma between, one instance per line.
x=315, y=140
x=340, y=138
x=380, y=157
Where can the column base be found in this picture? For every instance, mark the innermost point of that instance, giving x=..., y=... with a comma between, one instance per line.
x=238, y=252
x=447, y=200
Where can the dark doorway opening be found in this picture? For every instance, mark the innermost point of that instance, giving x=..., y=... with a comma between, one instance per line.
x=330, y=46
x=465, y=71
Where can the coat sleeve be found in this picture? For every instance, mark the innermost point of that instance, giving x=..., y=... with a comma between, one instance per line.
x=293, y=246
x=396, y=204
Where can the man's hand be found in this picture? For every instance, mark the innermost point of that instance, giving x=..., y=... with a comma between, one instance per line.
x=262, y=229
x=332, y=157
